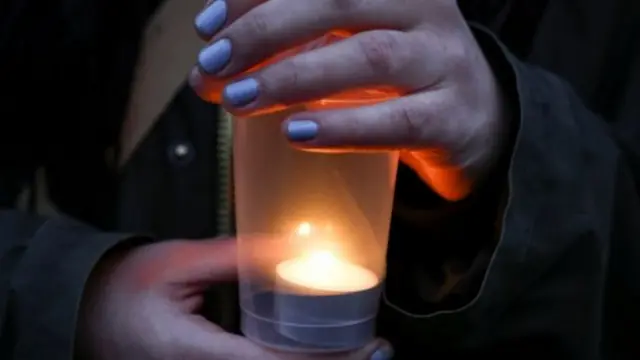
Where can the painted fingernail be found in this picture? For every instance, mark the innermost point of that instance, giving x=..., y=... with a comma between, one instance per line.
x=383, y=353
x=211, y=19
x=242, y=92
x=302, y=130
x=215, y=56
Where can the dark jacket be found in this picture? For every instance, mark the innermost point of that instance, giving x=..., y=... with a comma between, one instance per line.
x=545, y=255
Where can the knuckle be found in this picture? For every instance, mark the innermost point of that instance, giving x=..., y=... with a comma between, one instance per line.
x=412, y=124
x=282, y=79
x=345, y=5
x=257, y=23
x=458, y=56
x=382, y=51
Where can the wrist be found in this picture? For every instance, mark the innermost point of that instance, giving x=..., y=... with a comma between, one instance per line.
x=87, y=328
x=499, y=140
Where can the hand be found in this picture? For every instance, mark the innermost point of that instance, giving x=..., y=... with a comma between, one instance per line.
x=449, y=125
x=142, y=305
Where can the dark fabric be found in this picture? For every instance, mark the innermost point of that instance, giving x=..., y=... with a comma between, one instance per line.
x=172, y=196
x=570, y=219
x=65, y=74
x=554, y=274
x=45, y=264
x=436, y=252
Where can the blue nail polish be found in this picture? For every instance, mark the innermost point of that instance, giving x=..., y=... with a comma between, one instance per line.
x=302, y=130
x=241, y=93
x=211, y=19
x=215, y=56
x=384, y=353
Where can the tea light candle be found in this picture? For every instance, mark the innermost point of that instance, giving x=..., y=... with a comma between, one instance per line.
x=323, y=298
x=324, y=272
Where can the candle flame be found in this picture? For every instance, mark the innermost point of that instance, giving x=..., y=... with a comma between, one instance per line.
x=324, y=271
x=304, y=229
x=321, y=259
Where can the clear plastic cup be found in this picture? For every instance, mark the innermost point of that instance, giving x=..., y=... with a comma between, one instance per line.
x=313, y=231
x=312, y=227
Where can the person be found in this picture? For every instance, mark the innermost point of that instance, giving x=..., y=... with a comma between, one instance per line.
x=514, y=231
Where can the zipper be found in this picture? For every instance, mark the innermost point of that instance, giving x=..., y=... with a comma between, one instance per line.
x=225, y=176
x=226, y=296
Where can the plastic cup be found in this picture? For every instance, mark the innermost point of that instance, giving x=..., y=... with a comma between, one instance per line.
x=313, y=232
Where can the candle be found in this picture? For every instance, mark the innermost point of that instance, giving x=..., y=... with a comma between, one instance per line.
x=322, y=271
x=323, y=297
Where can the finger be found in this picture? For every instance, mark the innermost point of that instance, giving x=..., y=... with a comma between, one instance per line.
x=208, y=89
x=217, y=14
x=199, y=339
x=202, y=262
x=376, y=350
x=209, y=261
x=396, y=59
x=409, y=122
x=277, y=25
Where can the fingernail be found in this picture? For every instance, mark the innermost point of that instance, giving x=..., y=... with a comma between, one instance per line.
x=302, y=130
x=383, y=353
x=242, y=92
x=215, y=56
x=211, y=19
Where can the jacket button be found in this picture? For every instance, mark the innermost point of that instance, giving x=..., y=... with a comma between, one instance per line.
x=181, y=153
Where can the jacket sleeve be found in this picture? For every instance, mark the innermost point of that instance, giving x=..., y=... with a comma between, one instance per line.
x=44, y=265
x=560, y=275
x=567, y=259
